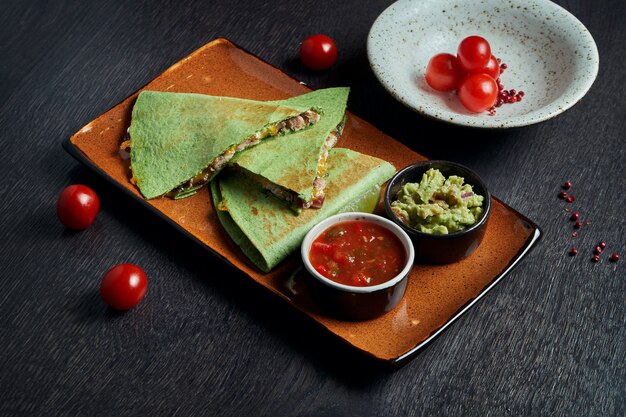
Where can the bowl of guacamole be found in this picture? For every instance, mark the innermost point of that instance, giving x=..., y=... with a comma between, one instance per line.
x=443, y=206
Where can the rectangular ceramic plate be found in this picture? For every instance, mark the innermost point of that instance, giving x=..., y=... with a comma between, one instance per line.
x=435, y=296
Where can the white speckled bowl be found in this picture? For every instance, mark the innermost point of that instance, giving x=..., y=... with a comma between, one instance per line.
x=550, y=55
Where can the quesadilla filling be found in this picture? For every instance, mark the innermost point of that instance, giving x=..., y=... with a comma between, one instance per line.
x=190, y=187
x=319, y=183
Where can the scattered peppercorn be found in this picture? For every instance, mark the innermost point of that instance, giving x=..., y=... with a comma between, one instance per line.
x=505, y=96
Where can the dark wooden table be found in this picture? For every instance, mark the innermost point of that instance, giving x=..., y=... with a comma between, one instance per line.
x=549, y=340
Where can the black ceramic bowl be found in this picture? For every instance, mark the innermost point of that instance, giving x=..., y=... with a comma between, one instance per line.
x=353, y=302
x=440, y=249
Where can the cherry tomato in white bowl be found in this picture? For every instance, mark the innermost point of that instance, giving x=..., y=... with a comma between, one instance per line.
x=473, y=54
x=478, y=92
x=443, y=72
x=318, y=52
x=77, y=207
x=493, y=68
x=124, y=286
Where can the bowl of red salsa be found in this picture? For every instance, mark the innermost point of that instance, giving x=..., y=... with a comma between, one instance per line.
x=358, y=264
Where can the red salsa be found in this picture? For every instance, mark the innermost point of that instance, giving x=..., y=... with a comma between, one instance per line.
x=357, y=253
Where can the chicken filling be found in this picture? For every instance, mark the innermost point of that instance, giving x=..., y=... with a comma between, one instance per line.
x=189, y=187
x=319, y=183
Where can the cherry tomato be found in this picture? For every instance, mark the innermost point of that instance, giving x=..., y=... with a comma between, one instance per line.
x=443, y=72
x=478, y=92
x=124, y=286
x=77, y=206
x=493, y=68
x=318, y=52
x=473, y=54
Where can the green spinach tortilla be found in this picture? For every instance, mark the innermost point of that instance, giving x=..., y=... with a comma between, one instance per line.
x=174, y=137
x=267, y=231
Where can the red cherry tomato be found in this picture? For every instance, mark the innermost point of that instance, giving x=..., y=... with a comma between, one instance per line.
x=473, y=54
x=443, y=73
x=478, y=92
x=493, y=68
x=77, y=206
x=124, y=286
x=318, y=52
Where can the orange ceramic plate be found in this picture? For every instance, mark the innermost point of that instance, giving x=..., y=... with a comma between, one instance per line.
x=436, y=295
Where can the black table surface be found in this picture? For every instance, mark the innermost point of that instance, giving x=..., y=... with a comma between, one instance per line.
x=548, y=340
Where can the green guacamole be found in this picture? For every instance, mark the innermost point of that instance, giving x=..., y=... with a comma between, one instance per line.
x=438, y=205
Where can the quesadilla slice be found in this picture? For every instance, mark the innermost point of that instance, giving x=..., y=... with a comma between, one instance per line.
x=293, y=168
x=180, y=141
x=267, y=231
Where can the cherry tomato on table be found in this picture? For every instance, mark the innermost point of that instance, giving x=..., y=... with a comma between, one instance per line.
x=443, y=72
x=478, y=92
x=77, y=206
x=473, y=54
x=124, y=286
x=318, y=52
